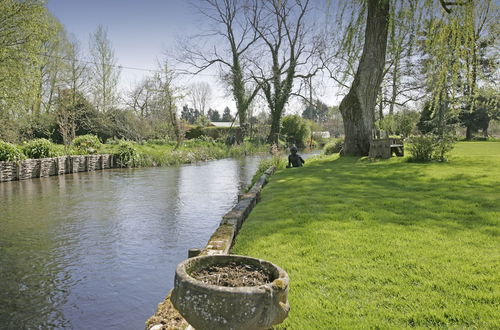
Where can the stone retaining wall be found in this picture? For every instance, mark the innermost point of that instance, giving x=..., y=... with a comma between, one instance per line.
x=38, y=168
x=221, y=241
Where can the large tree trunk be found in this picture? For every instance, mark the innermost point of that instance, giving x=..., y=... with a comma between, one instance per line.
x=275, y=128
x=357, y=107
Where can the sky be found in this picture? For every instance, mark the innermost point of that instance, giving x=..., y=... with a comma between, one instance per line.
x=141, y=33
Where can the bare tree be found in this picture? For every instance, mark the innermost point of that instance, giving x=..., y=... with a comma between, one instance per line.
x=140, y=98
x=285, y=40
x=200, y=95
x=104, y=71
x=165, y=99
x=76, y=71
x=232, y=40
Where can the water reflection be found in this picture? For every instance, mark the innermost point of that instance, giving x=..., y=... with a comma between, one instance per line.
x=98, y=250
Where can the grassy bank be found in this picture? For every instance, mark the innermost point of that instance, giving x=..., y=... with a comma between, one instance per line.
x=388, y=244
x=132, y=154
x=158, y=154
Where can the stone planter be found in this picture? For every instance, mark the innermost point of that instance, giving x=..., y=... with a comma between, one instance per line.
x=207, y=306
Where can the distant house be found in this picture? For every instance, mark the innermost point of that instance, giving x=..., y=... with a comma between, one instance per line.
x=323, y=134
x=224, y=124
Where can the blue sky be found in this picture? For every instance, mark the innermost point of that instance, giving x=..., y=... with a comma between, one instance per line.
x=140, y=32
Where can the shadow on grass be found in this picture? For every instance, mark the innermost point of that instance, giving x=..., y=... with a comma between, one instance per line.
x=452, y=196
x=387, y=244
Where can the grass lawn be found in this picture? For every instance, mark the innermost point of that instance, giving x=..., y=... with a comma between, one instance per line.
x=387, y=244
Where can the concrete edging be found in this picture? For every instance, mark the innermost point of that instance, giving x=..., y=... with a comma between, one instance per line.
x=221, y=241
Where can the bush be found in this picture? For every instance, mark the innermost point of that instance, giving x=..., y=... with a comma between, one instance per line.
x=295, y=129
x=86, y=144
x=10, y=152
x=421, y=147
x=333, y=147
x=194, y=132
x=127, y=155
x=39, y=148
x=424, y=148
x=444, y=145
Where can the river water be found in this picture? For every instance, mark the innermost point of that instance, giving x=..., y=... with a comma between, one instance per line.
x=98, y=250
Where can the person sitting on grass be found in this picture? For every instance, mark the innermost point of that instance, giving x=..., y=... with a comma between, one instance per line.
x=294, y=159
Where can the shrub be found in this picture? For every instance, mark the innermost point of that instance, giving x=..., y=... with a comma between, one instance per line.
x=10, y=152
x=39, y=148
x=424, y=148
x=333, y=147
x=295, y=129
x=194, y=132
x=444, y=145
x=127, y=155
x=86, y=144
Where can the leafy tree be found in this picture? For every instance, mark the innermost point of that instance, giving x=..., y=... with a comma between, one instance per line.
x=317, y=112
x=213, y=115
x=189, y=114
x=295, y=130
x=445, y=32
x=486, y=109
x=23, y=27
x=226, y=115
x=74, y=114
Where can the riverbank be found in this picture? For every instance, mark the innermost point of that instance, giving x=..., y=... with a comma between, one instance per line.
x=47, y=159
x=389, y=243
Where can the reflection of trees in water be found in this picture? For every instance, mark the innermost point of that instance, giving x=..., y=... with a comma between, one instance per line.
x=33, y=282
x=64, y=239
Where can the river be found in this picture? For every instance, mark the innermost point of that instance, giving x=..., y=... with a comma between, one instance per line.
x=98, y=250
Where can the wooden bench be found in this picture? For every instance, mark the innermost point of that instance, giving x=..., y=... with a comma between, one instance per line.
x=386, y=147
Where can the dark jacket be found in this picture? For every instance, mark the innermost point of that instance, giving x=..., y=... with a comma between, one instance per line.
x=294, y=160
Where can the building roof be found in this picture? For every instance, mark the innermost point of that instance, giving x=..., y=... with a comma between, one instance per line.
x=224, y=123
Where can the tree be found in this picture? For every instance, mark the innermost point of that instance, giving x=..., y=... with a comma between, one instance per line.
x=23, y=28
x=316, y=111
x=189, y=114
x=52, y=66
x=71, y=111
x=226, y=115
x=358, y=105
x=200, y=94
x=76, y=70
x=233, y=39
x=213, y=115
x=281, y=26
x=140, y=98
x=105, y=73
x=166, y=97
x=486, y=109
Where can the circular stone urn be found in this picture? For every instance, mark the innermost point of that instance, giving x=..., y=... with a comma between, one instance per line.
x=207, y=306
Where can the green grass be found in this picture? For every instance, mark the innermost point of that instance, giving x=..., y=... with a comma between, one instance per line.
x=385, y=244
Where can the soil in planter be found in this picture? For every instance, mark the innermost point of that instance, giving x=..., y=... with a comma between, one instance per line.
x=232, y=275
